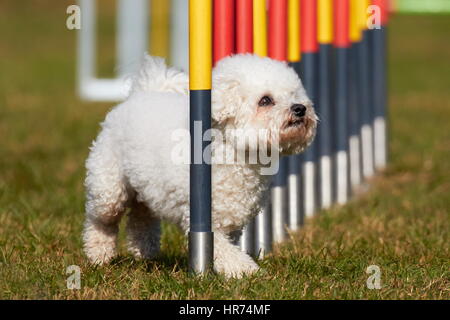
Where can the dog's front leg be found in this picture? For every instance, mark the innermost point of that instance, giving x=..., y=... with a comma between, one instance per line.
x=229, y=259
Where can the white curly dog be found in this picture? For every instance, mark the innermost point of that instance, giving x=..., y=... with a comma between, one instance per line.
x=131, y=163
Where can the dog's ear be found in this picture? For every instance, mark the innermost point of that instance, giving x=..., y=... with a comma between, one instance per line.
x=225, y=99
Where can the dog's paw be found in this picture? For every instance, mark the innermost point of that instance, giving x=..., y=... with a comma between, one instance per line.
x=237, y=268
x=100, y=256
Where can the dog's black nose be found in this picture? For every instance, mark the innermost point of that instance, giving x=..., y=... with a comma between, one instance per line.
x=298, y=110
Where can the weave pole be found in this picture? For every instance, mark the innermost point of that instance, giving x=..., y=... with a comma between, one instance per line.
x=378, y=39
x=263, y=222
x=325, y=39
x=294, y=56
x=278, y=51
x=244, y=44
x=260, y=28
x=365, y=98
x=244, y=26
x=200, y=64
x=354, y=112
x=223, y=28
x=341, y=44
x=310, y=48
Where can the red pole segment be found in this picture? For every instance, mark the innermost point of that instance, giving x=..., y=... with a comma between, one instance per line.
x=224, y=16
x=341, y=23
x=384, y=6
x=244, y=26
x=309, y=72
x=308, y=26
x=278, y=29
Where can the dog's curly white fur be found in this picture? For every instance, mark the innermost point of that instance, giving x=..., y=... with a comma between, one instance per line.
x=130, y=163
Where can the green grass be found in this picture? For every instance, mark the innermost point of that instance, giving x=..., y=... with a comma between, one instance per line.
x=401, y=224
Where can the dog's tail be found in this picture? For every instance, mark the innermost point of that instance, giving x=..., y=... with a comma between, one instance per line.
x=154, y=75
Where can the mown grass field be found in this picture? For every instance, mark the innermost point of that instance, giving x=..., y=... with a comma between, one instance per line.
x=402, y=224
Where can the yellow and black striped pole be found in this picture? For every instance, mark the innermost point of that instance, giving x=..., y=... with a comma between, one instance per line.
x=263, y=222
x=378, y=84
x=355, y=111
x=325, y=38
x=366, y=131
x=200, y=66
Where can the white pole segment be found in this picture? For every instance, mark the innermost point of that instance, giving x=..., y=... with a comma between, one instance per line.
x=379, y=127
x=294, y=201
x=179, y=37
x=326, y=186
x=341, y=177
x=355, y=156
x=367, y=150
x=308, y=176
x=86, y=45
x=132, y=34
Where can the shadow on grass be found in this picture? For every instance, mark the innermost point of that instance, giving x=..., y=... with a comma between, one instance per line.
x=171, y=263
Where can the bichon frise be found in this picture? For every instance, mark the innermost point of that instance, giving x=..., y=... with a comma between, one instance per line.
x=132, y=165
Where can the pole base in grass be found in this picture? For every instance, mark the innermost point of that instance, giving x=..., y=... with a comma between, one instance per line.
x=201, y=252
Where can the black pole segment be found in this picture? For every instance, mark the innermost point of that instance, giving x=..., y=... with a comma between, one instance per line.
x=379, y=71
x=200, y=168
x=341, y=99
x=308, y=71
x=324, y=100
x=294, y=161
x=354, y=90
x=364, y=89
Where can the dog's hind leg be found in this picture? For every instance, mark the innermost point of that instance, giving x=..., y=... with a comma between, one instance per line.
x=106, y=198
x=143, y=232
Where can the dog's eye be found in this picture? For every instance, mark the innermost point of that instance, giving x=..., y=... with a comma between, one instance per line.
x=265, y=101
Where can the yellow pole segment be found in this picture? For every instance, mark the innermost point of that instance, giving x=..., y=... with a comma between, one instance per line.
x=159, y=28
x=363, y=15
x=325, y=21
x=260, y=28
x=294, y=54
x=355, y=31
x=200, y=44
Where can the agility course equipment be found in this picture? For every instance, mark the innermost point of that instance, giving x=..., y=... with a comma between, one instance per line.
x=200, y=63
x=277, y=42
x=341, y=61
x=334, y=61
x=378, y=82
x=363, y=78
x=308, y=72
x=325, y=39
x=341, y=44
x=293, y=178
x=132, y=25
x=263, y=221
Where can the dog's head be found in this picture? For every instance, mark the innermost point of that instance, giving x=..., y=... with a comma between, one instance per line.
x=254, y=94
